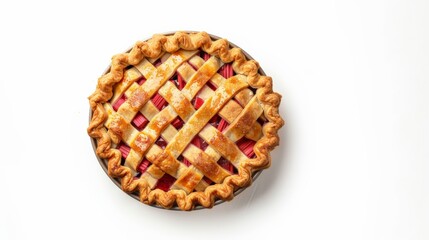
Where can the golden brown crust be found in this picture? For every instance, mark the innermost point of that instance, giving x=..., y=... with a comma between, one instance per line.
x=151, y=49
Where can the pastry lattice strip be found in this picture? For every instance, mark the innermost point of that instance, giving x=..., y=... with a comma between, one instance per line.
x=207, y=130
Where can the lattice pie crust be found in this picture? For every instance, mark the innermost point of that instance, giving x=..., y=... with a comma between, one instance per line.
x=184, y=120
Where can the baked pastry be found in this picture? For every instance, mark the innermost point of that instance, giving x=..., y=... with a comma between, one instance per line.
x=184, y=120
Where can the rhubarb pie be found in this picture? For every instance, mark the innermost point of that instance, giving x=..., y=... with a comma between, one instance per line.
x=184, y=120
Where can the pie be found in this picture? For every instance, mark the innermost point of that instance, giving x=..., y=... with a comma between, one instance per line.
x=183, y=120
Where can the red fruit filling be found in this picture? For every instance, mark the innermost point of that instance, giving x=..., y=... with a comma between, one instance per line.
x=226, y=71
x=213, y=87
x=124, y=149
x=206, y=56
x=186, y=162
x=161, y=142
x=199, y=143
x=159, y=101
x=198, y=102
x=222, y=125
x=177, y=123
x=221, y=71
x=141, y=81
x=207, y=180
x=143, y=166
x=157, y=63
x=226, y=164
x=165, y=182
x=119, y=102
x=246, y=146
x=214, y=121
x=181, y=82
x=229, y=71
x=139, y=121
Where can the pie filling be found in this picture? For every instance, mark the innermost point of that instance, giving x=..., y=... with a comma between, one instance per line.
x=139, y=122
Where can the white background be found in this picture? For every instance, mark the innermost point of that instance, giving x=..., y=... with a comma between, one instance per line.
x=353, y=160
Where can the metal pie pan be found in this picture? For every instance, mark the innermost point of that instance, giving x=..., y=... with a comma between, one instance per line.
x=103, y=162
